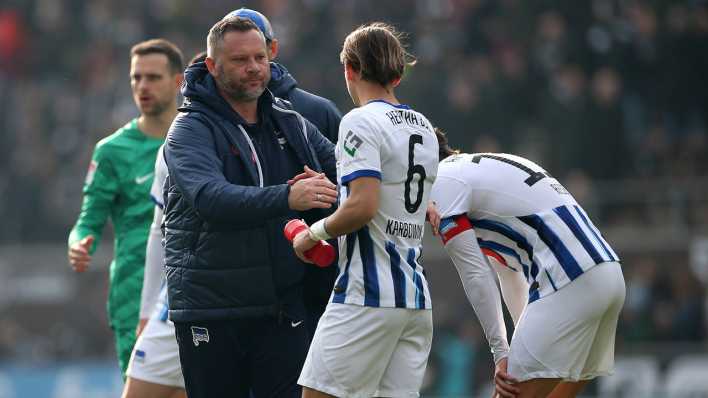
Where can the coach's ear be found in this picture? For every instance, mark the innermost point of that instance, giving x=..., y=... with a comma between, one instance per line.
x=273, y=49
x=211, y=65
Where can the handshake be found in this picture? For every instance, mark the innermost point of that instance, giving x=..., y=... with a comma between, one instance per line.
x=311, y=190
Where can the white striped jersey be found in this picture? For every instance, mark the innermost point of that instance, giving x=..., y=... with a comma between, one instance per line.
x=522, y=217
x=154, y=259
x=379, y=264
x=160, y=177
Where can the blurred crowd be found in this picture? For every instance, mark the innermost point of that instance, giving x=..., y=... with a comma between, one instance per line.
x=596, y=91
x=601, y=89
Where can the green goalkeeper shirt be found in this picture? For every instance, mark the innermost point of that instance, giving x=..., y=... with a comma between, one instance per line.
x=117, y=186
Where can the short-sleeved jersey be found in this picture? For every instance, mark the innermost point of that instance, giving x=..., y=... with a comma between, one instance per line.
x=379, y=264
x=159, y=181
x=118, y=187
x=522, y=216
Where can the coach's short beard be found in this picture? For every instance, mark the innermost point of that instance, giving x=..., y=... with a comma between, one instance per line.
x=236, y=92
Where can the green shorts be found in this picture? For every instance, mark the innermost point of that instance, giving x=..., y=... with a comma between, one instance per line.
x=125, y=340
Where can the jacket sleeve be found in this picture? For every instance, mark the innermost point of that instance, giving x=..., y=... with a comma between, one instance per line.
x=324, y=150
x=100, y=189
x=197, y=169
x=334, y=116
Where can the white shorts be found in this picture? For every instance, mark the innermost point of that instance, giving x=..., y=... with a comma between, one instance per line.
x=364, y=351
x=570, y=334
x=155, y=357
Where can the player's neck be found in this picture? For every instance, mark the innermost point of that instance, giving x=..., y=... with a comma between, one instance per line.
x=368, y=92
x=156, y=126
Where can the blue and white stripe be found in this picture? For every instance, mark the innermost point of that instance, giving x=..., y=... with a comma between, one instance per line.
x=552, y=248
x=395, y=279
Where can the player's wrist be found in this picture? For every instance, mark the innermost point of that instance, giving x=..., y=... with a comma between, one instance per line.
x=318, y=231
x=498, y=356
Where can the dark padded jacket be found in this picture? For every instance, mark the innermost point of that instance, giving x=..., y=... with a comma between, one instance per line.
x=225, y=253
x=326, y=117
x=320, y=111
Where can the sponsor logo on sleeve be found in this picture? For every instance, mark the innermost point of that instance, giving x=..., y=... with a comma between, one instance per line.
x=352, y=142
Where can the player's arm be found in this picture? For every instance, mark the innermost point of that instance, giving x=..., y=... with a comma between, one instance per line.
x=154, y=253
x=478, y=281
x=359, y=208
x=100, y=190
x=153, y=270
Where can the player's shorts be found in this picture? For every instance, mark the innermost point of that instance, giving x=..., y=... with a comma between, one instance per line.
x=362, y=351
x=570, y=334
x=155, y=358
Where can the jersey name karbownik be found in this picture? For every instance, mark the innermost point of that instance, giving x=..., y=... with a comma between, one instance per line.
x=404, y=229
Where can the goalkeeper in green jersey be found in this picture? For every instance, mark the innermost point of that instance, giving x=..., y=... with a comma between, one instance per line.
x=118, y=186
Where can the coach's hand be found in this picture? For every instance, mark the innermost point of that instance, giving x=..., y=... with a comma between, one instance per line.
x=308, y=172
x=312, y=193
x=503, y=382
x=303, y=243
x=79, y=256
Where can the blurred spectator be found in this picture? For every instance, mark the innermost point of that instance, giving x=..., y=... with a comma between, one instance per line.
x=615, y=89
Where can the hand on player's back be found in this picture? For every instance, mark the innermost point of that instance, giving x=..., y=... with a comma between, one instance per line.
x=311, y=190
x=79, y=256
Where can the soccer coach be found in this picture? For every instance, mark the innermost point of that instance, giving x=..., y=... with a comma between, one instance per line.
x=234, y=284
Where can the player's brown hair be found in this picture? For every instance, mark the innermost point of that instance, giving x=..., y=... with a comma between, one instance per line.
x=226, y=25
x=164, y=47
x=376, y=51
x=445, y=149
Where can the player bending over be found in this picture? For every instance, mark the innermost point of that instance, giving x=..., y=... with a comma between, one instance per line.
x=508, y=209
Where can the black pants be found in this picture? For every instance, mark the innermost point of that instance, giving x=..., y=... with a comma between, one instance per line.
x=263, y=356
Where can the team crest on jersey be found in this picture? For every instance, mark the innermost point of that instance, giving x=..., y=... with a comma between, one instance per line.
x=199, y=334
x=352, y=142
x=91, y=172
